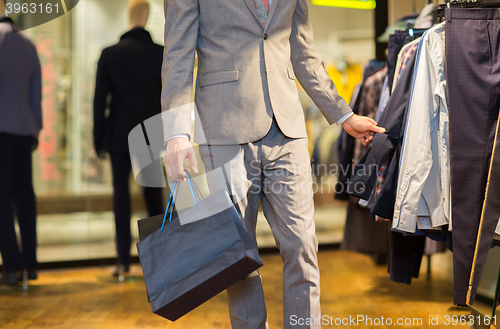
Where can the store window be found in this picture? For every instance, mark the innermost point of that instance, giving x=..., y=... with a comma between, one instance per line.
x=74, y=187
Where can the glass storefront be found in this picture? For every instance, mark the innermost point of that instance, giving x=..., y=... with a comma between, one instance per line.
x=74, y=187
x=69, y=48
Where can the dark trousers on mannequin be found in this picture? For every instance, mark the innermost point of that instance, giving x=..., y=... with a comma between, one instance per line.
x=121, y=168
x=473, y=80
x=17, y=195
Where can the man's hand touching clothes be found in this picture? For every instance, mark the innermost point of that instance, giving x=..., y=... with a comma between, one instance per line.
x=361, y=128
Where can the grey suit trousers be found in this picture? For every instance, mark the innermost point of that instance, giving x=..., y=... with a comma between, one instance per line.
x=277, y=170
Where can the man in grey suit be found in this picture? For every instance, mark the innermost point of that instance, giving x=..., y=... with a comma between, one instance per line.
x=20, y=124
x=250, y=53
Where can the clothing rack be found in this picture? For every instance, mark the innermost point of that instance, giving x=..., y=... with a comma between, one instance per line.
x=467, y=4
x=471, y=3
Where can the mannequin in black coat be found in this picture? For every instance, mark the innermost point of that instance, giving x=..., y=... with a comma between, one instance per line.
x=129, y=75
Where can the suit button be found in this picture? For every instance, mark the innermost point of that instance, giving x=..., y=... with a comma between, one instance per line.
x=265, y=36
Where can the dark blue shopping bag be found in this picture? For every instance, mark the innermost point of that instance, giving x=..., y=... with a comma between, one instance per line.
x=193, y=258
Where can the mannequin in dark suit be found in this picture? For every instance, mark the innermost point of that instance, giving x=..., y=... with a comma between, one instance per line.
x=20, y=124
x=129, y=72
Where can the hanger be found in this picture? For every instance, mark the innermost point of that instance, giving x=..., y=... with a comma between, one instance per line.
x=466, y=4
x=470, y=4
x=413, y=32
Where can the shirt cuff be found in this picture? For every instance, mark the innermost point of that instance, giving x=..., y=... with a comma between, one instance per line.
x=186, y=136
x=344, y=118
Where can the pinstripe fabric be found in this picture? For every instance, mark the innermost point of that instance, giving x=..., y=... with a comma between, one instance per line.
x=473, y=80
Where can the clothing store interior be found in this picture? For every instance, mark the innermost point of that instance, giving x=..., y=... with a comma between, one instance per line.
x=408, y=226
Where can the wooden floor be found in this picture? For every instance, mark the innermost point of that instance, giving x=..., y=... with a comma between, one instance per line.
x=351, y=285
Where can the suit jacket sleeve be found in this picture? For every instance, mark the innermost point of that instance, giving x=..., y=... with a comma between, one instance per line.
x=36, y=94
x=102, y=89
x=309, y=68
x=181, y=35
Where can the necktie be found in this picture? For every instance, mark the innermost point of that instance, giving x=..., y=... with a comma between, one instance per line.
x=266, y=4
x=262, y=10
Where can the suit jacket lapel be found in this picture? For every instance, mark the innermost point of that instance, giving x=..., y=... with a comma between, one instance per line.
x=251, y=5
x=272, y=10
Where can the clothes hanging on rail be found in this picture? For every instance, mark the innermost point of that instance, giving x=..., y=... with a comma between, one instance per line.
x=346, y=141
x=380, y=185
x=384, y=98
x=432, y=162
x=405, y=175
x=381, y=162
x=403, y=58
x=428, y=172
x=423, y=185
x=405, y=256
x=396, y=42
x=405, y=252
x=361, y=232
x=368, y=105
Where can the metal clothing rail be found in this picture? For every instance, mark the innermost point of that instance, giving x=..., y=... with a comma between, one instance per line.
x=467, y=4
x=471, y=3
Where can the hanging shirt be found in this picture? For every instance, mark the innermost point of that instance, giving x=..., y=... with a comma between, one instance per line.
x=403, y=57
x=425, y=165
x=368, y=106
x=384, y=98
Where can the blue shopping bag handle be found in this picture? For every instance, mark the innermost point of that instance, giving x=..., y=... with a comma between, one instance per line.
x=195, y=194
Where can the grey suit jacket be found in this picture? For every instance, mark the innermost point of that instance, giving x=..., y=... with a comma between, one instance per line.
x=20, y=83
x=246, y=72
